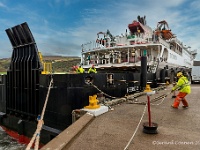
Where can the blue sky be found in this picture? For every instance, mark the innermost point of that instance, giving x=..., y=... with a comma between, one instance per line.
x=61, y=26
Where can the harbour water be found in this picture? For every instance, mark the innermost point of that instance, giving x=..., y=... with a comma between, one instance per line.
x=8, y=143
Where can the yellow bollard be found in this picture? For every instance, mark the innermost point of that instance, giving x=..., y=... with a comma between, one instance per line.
x=148, y=88
x=93, y=102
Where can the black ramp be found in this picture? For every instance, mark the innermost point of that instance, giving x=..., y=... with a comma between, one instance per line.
x=27, y=32
x=11, y=37
x=17, y=36
x=22, y=94
x=22, y=35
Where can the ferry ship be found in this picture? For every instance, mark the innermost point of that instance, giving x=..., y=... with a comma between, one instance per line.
x=164, y=52
x=125, y=64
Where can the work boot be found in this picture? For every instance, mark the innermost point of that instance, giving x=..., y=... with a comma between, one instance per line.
x=174, y=107
x=185, y=103
x=185, y=106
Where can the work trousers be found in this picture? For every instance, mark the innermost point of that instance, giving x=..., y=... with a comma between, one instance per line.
x=180, y=97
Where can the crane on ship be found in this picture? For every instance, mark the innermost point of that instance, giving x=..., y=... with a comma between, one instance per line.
x=105, y=40
x=101, y=40
x=112, y=38
x=142, y=20
x=110, y=35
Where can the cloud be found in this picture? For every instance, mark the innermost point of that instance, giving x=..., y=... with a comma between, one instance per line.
x=64, y=33
x=195, y=5
x=2, y=5
x=55, y=3
x=117, y=16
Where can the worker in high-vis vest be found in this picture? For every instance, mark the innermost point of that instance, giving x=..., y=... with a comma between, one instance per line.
x=92, y=70
x=80, y=69
x=183, y=86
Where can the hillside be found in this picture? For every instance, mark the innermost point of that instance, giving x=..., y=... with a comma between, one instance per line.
x=59, y=63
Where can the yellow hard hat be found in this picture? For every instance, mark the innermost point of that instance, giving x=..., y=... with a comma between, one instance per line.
x=179, y=74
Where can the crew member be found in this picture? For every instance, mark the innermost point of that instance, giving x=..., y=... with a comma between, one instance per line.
x=74, y=69
x=184, y=88
x=80, y=69
x=92, y=70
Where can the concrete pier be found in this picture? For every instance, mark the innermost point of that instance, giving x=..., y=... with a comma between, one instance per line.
x=177, y=128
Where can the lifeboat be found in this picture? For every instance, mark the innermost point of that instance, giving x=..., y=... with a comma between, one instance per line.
x=163, y=30
x=135, y=26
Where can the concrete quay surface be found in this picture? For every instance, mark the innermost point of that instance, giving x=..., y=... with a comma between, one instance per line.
x=119, y=128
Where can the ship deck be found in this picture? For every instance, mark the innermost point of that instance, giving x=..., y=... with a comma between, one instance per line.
x=177, y=128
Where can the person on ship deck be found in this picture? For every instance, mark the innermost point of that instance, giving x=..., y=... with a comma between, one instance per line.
x=92, y=69
x=80, y=69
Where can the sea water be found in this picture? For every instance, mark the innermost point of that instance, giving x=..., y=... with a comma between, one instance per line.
x=9, y=143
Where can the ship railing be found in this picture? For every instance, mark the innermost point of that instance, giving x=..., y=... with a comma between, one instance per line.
x=114, y=61
x=118, y=58
x=136, y=61
x=93, y=45
x=139, y=40
x=163, y=42
x=176, y=41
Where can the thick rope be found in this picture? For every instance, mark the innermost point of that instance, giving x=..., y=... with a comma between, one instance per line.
x=136, y=128
x=36, y=135
x=131, y=139
x=162, y=98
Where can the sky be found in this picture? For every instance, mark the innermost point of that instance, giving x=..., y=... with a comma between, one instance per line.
x=60, y=27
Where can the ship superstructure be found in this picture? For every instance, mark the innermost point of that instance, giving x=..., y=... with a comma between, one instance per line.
x=161, y=47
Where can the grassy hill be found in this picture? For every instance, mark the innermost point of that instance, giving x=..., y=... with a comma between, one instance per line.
x=59, y=63
x=4, y=64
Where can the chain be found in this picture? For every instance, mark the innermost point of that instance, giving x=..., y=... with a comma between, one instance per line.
x=102, y=91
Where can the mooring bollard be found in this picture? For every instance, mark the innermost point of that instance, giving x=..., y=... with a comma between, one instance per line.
x=149, y=127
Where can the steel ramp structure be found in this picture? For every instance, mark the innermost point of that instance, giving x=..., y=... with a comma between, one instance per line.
x=23, y=74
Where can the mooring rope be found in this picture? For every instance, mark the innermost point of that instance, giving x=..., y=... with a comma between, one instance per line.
x=131, y=139
x=101, y=91
x=136, y=128
x=36, y=135
x=163, y=98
